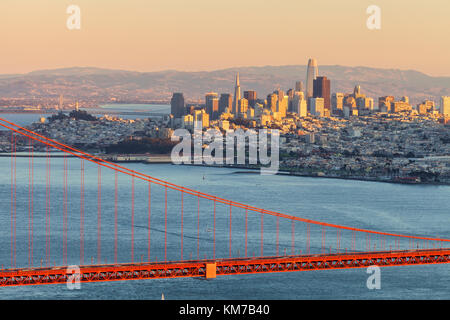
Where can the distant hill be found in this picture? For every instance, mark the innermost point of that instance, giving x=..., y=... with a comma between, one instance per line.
x=102, y=85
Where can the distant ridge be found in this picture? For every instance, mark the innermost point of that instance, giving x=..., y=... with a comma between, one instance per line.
x=102, y=85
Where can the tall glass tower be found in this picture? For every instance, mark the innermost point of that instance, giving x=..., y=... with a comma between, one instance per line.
x=311, y=75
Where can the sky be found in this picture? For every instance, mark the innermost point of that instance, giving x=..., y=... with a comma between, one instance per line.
x=197, y=35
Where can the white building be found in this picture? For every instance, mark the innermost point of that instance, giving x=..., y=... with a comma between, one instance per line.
x=317, y=106
x=299, y=104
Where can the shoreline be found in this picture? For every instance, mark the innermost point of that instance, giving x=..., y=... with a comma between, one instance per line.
x=294, y=174
x=165, y=159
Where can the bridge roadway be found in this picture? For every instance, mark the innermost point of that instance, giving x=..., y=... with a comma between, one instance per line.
x=220, y=267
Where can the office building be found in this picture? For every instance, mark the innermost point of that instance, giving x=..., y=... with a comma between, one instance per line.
x=280, y=94
x=311, y=75
x=425, y=107
x=201, y=118
x=212, y=105
x=282, y=105
x=384, y=103
x=365, y=103
x=322, y=89
x=225, y=102
x=272, y=101
x=251, y=96
x=445, y=106
x=242, y=108
x=337, y=102
x=317, y=106
x=401, y=106
x=299, y=105
x=177, y=108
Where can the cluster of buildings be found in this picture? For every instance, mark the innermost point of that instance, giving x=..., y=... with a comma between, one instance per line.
x=279, y=107
x=389, y=147
x=334, y=135
x=95, y=135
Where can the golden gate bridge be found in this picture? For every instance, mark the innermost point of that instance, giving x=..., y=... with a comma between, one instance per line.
x=52, y=227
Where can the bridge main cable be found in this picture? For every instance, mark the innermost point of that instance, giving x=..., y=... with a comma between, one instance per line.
x=99, y=161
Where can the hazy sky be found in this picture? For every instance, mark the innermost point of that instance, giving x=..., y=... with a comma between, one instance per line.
x=152, y=35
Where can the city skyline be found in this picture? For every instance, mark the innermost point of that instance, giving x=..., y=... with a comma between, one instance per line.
x=143, y=37
x=146, y=145
x=319, y=103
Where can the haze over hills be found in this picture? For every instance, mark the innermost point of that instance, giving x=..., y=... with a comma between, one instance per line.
x=104, y=85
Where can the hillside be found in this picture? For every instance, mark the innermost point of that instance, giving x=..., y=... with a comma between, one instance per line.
x=102, y=85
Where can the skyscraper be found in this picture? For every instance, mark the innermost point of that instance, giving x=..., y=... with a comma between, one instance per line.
x=311, y=75
x=282, y=105
x=251, y=96
x=290, y=93
x=299, y=104
x=445, y=106
x=237, y=95
x=242, y=108
x=209, y=96
x=177, y=105
x=279, y=93
x=225, y=101
x=212, y=105
x=272, y=101
x=317, y=106
x=337, y=102
x=321, y=89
